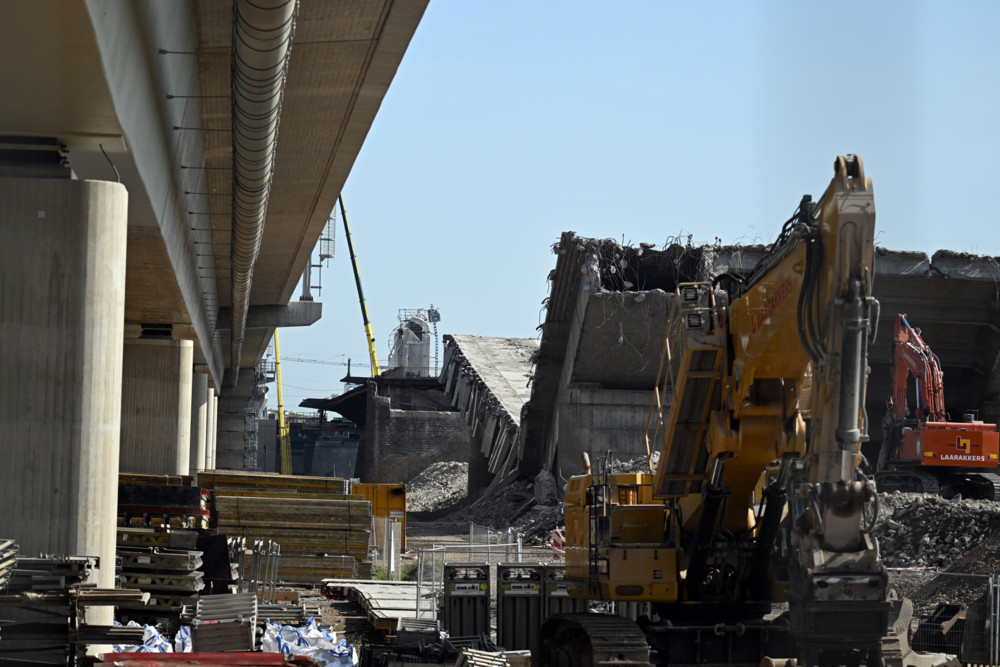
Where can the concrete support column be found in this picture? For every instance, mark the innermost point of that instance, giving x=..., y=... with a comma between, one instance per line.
x=232, y=415
x=156, y=406
x=213, y=430
x=62, y=312
x=199, y=420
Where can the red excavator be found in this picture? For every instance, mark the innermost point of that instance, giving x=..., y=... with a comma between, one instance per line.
x=926, y=452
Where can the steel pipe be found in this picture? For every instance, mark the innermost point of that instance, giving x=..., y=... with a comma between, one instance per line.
x=262, y=44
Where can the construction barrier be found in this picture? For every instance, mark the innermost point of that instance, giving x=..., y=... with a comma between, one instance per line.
x=558, y=544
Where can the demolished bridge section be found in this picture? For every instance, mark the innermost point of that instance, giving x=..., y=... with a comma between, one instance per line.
x=607, y=314
x=489, y=381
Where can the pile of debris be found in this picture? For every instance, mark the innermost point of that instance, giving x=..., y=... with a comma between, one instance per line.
x=438, y=487
x=917, y=530
x=533, y=508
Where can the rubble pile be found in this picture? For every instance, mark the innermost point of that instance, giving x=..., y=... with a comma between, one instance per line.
x=438, y=487
x=916, y=530
x=503, y=508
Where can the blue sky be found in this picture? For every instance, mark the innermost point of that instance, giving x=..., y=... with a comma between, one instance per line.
x=511, y=122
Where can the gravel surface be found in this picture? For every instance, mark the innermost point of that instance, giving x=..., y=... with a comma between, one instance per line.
x=915, y=530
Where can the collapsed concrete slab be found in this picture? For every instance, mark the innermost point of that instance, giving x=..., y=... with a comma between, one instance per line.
x=606, y=320
x=489, y=381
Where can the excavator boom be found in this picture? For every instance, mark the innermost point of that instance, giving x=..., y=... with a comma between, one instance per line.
x=912, y=356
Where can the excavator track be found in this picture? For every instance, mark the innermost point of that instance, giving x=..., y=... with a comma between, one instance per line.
x=914, y=481
x=581, y=640
x=987, y=484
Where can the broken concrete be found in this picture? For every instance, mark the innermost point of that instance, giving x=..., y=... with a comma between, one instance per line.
x=606, y=317
x=489, y=381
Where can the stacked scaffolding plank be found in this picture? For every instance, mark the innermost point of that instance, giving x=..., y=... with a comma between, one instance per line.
x=225, y=622
x=226, y=482
x=322, y=530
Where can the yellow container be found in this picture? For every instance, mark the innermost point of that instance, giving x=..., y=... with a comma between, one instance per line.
x=388, y=500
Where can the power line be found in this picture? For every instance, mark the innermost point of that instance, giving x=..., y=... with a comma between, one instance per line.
x=305, y=360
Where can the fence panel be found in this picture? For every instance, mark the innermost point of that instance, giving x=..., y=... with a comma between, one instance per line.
x=952, y=613
x=385, y=545
x=486, y=545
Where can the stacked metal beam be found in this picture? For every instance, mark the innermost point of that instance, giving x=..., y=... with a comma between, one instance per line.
x=162, y=563
x=49, y=573
x=287, y=613
x=51, y=597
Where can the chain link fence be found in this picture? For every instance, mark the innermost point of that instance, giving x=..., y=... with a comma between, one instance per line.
x=953, y=613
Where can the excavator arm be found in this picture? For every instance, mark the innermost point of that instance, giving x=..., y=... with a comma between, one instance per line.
x=837, y=583
x=912, y=356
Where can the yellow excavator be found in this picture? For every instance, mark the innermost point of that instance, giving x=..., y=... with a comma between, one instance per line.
x=757, y=498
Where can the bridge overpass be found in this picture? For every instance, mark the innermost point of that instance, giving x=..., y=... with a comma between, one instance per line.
x=166, y=169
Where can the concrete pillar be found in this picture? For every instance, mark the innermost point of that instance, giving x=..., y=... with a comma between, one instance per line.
x=199, y=420
x=62, y=313
x=232, y=414
x=213, y=430
x=156, y=406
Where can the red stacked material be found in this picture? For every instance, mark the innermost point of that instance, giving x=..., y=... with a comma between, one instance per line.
x=247, y=659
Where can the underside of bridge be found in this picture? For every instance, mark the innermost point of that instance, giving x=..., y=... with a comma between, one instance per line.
x=142, y=92
x=166, y=169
